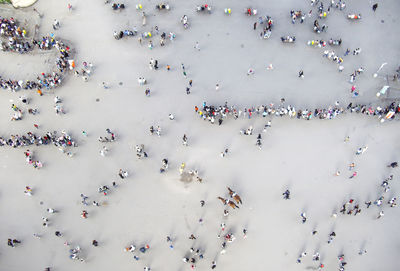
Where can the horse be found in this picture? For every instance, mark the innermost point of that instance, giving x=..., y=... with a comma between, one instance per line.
x=224, y=201
x=235, y=196
x=232, y=204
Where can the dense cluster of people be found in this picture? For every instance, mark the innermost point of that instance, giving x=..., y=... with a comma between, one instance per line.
x=60, y=141
x=213, y=113
x=17, y=43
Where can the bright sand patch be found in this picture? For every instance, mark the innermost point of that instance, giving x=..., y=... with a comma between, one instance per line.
x=22, y=3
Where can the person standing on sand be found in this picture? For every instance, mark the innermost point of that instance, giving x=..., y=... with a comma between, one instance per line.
x=374, y=7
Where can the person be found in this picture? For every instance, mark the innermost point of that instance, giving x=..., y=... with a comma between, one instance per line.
x=217, y=87
x=95, y=243
x=374, y=7
x=301, y=74
x=304, y=218
x=197, y=46
x=56, y=24
x=286, y=194
x=122, y=174
x=84, y=214
x=213, y=264
x=10, y=243
x=184, y=140
x=104, y=85
x=202, y=202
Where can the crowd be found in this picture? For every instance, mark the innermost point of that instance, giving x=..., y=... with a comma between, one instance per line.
x=212, y=113
x=62, y=141
x=17, y=42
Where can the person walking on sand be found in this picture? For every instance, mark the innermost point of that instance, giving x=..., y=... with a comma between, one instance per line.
x=304, y=218
x=197, y=46
x=286, y=194
x=374, y=7
x=353, y=175
x=301, y=74
x=381, y=214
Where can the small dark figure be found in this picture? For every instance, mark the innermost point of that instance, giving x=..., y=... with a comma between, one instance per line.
x=95, y=243
x=286, y=194
x=374, y=7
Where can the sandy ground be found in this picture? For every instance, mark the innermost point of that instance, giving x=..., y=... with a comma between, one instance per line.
x=146, y=207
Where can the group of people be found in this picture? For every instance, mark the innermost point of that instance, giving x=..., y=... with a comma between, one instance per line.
x=352, y=207
x=60, y=141
x=18, y=42
x=213, y=113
